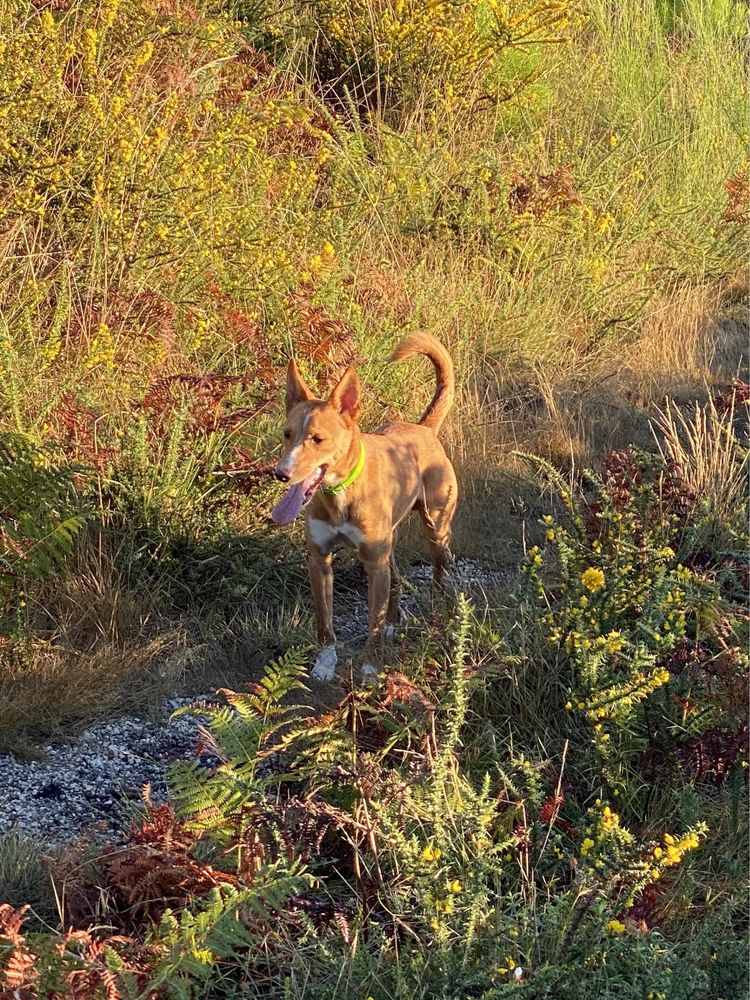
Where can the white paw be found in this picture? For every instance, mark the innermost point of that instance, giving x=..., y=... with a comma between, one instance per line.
x=390, y=631
x=369, y=673
x=325, y=664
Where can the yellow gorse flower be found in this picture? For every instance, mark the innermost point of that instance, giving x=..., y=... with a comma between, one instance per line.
x=593, y=579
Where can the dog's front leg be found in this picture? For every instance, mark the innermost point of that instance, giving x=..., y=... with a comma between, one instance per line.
x=377, y=564
x=321, y=584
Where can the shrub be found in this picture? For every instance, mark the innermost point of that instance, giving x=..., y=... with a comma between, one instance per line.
x=624, y=617
x=405, y=55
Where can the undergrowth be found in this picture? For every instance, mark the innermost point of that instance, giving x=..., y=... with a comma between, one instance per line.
x=440, y=835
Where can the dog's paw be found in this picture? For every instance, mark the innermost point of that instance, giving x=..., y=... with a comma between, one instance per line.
x=324, y=667
x=369, y=673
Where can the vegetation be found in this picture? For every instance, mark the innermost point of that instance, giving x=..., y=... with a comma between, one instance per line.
x=546, y=795
x=443, y=835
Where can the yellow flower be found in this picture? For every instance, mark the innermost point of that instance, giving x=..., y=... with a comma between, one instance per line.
x=615, y=642
x=47, y=23
x=609, y=820
x=587, y=845
x=592, y=579
x=431, y=853
x=616, y=927
x=598, y=267
x=454, y=886
x=144, y=53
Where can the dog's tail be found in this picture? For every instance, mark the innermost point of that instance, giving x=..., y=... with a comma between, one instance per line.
x=425, y=343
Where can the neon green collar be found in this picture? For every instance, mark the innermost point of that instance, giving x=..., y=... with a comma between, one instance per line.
x=354, y=474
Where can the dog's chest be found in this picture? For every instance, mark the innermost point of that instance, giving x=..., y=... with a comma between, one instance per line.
x=329, y=536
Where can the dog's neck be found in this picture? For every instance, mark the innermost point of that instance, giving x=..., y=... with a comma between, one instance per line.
x=343, y=467
x=339, y=472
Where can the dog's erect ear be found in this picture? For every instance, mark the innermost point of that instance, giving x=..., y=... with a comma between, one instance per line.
x=297, y=390
x=345, y=397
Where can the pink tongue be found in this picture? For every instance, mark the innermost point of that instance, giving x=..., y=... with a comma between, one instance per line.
x=290, y=505
x=292, y=502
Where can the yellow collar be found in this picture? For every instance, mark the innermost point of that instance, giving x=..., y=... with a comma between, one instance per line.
x=354, y=474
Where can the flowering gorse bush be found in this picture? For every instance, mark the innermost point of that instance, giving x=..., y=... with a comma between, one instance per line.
x=147, y=146
x=619, y=610
x=434, y=54
x=625, y=601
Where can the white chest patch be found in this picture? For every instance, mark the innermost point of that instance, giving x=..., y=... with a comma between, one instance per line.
x=327, y=536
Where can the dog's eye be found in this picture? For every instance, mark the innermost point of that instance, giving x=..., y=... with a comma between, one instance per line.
x=317, y=439
x=287, y=434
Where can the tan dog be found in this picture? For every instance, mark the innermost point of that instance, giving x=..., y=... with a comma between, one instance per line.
x=357, y=488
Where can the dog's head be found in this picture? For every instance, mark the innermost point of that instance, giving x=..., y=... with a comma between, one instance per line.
x=317, y=437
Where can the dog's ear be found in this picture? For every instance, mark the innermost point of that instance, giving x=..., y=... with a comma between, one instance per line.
x=297, y=390
x=345, y=397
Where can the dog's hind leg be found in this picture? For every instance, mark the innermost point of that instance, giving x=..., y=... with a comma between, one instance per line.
x=393, y=614
x=436, y=509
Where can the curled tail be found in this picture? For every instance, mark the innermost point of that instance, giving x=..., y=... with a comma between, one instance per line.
x=424, y=343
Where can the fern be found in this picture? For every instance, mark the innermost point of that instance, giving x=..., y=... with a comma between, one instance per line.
x=40, y=515
x=253, y=726
x=243, y=729
x=193, y=942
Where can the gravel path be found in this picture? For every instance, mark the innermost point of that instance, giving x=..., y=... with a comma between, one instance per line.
x=96, y=782
x=470, y=576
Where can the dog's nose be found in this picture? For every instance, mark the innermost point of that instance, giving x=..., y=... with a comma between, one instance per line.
x=281, y=476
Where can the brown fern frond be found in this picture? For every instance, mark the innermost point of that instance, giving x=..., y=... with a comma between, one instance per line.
x=712, y=754
x=20, y=972
x=738, y=199
x=553, y=192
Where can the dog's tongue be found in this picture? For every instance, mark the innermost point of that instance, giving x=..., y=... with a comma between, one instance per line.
x=292, y=502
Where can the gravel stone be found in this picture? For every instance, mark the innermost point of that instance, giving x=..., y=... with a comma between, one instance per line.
x=470, y=576
x=95, y=783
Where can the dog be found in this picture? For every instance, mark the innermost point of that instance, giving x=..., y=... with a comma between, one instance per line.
x=355, y=489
